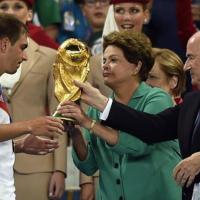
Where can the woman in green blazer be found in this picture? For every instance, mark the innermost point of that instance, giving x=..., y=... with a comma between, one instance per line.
x=129, y=168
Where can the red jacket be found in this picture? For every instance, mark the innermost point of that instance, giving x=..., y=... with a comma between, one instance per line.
x=39, y=36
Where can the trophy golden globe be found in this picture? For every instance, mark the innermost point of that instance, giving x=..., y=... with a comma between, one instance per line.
x=72, y=63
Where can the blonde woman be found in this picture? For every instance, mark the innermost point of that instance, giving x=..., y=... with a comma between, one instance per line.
x=167, y=73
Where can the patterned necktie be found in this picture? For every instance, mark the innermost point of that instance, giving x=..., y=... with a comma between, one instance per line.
x=197, y=121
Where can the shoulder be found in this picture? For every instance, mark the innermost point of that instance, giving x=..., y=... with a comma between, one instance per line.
x=47, y=51
x=191, y=97
x=155, y=92
x=192, y=94
x=46, y=54
x=41, y=49
x=158, y=92
x=156, y=99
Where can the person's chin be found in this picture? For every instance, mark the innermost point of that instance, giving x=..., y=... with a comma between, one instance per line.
x=12, y=71
x=196, y=84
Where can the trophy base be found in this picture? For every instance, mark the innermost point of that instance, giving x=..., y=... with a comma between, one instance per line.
x=65, y=119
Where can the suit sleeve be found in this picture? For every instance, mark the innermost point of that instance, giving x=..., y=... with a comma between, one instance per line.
x=129, y=144
x=140, y=124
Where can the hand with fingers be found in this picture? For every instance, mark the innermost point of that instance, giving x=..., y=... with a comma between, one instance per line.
x=91, y=95
x=45, y=126
x=184, y=173
x=56, y=185
x=72, y=110
x=35, y=145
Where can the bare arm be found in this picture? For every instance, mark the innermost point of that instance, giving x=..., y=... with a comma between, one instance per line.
x=70, y=109
x=46, y=126
x=78, y=142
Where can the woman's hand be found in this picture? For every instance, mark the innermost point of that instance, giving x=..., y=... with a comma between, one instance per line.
x=72, y=110
x=91, y=95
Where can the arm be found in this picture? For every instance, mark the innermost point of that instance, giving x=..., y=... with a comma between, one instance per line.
x=140, y=124
x=83, y=154
x=134, y=122
x=34, y=145
x=46, y=126
x=72, y=110
x=117, y=141
x=87, y=187
x=155, y=101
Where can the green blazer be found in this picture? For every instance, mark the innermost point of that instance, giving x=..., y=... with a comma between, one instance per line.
x=132, y=169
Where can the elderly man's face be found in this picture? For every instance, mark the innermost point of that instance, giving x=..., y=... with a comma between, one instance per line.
x=193, y=59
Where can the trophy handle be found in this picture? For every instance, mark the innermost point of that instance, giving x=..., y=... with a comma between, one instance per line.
x=66, y=119
x=57, y=115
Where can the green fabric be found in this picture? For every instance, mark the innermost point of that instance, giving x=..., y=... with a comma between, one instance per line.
x=132, y=169
x=48, y=12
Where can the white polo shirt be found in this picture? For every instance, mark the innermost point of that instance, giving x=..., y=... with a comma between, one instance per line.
x=7, y=158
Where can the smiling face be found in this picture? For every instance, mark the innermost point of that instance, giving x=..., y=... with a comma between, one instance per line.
x=116, y=69
x=130, y=16
x=15, y=54
x=18, y=8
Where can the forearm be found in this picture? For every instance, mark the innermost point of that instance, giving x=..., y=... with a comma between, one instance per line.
x=78, y=143
x=109, y=135
x=10, y=131
x=101, y=103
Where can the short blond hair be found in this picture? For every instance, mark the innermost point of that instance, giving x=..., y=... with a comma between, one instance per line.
x=171, y=64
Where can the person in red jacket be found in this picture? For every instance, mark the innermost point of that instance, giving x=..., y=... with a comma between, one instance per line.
x=37, y=33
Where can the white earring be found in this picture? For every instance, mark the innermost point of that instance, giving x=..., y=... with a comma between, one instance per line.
x=145, y=21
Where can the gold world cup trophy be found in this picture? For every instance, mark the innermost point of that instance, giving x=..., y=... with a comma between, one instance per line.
x=72, y=63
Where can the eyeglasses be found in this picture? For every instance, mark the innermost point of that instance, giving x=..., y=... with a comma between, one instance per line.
x=101, y=2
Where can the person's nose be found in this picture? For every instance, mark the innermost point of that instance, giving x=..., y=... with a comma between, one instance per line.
x=10, y=11
x=127, y=16
x=187, y=65
x=24, y=56
x=105, y=66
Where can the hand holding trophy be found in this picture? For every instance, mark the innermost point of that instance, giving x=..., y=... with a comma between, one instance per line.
x=72, y=63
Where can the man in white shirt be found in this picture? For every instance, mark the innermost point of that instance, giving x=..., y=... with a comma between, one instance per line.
x=13, y=42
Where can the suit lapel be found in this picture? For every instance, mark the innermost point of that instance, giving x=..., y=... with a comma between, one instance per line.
x=195, y=145
x=188, y=115
x=33, y=57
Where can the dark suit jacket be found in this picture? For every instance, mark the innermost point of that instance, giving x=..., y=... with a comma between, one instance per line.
x=169, y=124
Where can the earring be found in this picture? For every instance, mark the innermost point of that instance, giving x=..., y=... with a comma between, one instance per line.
x=145, y=21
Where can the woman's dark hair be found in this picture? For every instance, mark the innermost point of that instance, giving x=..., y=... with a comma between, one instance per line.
x=135, y=47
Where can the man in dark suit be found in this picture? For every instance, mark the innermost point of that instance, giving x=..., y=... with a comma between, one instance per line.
x=182, y=121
